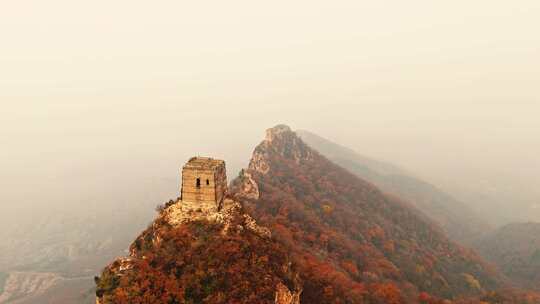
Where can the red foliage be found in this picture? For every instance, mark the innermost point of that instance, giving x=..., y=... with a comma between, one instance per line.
x=343, y=231
x=196, y=263
x=349, y=242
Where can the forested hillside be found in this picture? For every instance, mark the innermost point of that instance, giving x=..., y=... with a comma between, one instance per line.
x=457, y=219
x=351, y=241
x=515, y=248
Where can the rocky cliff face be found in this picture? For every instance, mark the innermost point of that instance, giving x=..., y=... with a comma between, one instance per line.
x=286, y=296
x=282, y=141
x=191, y=253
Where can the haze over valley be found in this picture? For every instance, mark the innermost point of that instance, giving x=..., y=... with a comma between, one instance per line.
x=433, y=104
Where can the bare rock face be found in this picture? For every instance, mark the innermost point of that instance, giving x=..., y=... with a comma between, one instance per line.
x=285, y=296
x=185, y=212
x=280, y=140
x=277, y=132
x=244, y=187
x=283, y=141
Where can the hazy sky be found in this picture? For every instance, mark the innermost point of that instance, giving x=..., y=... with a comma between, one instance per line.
x=97, y=93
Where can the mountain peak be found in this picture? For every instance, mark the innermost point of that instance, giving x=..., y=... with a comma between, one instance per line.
x=280, y=142
x=277, y=132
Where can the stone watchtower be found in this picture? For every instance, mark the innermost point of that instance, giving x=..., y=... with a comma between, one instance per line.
x=204, y=182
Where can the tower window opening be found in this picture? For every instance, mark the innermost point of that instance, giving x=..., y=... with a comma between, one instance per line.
x=207, y=182
x=198, y=182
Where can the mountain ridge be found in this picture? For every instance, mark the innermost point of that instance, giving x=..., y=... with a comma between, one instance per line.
x=294, y=228
x=304, y=198
x=459, y=221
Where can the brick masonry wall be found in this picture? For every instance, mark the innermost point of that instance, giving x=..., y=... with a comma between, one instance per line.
x=221, y=183
x=213, y=185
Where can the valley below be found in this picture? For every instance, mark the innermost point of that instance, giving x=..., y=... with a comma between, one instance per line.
x=36, y=287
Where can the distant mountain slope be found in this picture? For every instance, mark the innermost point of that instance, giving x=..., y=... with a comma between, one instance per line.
x=515, y=248
x=32, y=288
x=456, y=218
x=74, y=243
x=353, y=243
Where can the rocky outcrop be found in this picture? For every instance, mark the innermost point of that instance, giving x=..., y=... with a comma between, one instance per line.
x=277, y=132
x=185, y=212
x=285, y=296
x=245, y=187
x=258, y=162
x=283, y=141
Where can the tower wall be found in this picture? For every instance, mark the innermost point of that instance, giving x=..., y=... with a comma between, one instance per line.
x=204, y=181
x=220, y=183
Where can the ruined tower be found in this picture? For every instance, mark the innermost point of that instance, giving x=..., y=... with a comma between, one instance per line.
x=204, y=181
